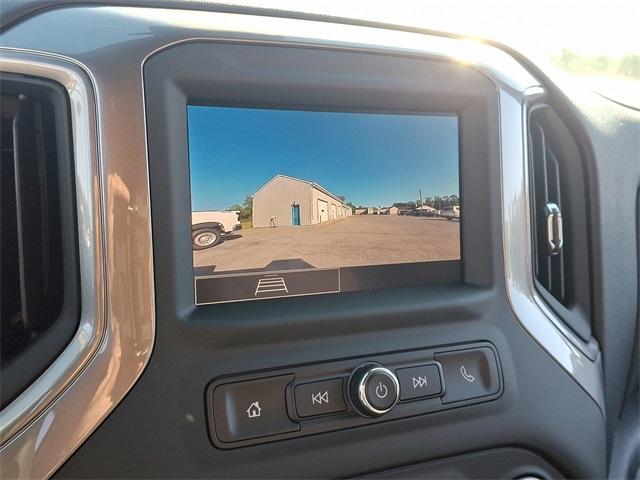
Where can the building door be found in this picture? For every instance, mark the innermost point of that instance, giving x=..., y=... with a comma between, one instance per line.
x=323, y=211
x=295, y=215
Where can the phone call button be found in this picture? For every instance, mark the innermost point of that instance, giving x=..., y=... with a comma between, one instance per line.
x=469, y=374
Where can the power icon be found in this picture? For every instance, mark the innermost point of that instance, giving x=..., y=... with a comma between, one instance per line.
x=381, y=390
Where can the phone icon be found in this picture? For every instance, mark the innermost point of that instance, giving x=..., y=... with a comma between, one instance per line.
x=467, y=376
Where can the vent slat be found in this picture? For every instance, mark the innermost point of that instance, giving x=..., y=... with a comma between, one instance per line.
x=554, y=195
x=15, y=336
x=29, y=214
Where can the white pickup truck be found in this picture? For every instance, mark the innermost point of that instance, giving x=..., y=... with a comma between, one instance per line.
x=450, y=213
x=209, y=228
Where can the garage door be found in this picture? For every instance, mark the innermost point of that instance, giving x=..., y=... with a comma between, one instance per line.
x=323, y=211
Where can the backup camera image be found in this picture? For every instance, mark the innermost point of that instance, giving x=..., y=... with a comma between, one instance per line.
x=297, y=202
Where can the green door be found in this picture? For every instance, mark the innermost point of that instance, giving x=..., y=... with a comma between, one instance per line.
x=295, y=214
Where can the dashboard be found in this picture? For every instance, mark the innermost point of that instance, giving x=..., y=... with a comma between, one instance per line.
x=298, y=247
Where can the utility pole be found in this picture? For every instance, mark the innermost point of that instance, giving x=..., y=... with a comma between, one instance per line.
x=420, y=192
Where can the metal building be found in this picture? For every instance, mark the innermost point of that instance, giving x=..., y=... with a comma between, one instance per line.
x=388, y=211
x=287, y=201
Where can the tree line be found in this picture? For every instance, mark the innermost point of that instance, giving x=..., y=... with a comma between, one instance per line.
x=245, y=210
x=438, y=202
x=626, y=65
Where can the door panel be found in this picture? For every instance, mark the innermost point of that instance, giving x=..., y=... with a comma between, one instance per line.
x=295, y=215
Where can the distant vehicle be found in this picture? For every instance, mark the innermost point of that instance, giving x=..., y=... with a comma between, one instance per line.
x=209, y=228
x=425, y=211
x=450, y=213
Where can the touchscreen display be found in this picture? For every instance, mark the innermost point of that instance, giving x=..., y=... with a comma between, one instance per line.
x=298, y=202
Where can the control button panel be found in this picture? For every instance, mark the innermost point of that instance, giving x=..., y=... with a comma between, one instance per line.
x=305, y=400
x=469, y=374
x=419, y=382
x=320, y=398
x=252, y=409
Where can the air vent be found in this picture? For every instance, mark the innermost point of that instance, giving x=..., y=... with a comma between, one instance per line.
x=38, y=247
x=559, y=215
x=547, y=195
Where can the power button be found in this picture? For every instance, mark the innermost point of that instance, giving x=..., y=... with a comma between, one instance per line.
x=373, y=389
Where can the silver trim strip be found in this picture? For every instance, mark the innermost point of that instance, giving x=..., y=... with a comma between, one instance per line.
x=137, y=33
x=41, y=428
x=92, y=324
x=532, y=312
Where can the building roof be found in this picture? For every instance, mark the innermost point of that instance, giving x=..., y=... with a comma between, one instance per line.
x=313, y=184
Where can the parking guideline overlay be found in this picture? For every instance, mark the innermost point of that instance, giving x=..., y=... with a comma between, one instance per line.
x=270, y=284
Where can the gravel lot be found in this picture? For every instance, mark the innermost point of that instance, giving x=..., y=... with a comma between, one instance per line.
x=353, y=241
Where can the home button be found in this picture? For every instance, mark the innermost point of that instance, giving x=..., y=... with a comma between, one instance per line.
x=252, y=409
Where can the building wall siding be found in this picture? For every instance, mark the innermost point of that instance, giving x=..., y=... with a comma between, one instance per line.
x=276, y=199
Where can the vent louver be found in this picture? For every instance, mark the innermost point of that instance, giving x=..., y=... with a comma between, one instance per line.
x=549, y=268
x=39, y=304
x=559, y=217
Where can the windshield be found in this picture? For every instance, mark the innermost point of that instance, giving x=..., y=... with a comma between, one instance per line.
x=597, y=42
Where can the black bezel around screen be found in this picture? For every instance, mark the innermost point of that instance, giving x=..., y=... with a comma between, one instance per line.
x=266, y=76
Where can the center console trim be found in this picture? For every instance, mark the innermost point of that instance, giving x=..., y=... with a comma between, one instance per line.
x=116, y=74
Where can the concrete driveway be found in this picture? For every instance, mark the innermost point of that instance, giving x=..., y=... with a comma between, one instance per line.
x=353, y=241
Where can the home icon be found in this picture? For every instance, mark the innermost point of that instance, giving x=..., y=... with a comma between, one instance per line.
x=254, y=410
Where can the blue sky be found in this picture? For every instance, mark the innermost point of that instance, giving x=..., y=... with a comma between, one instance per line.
x=372, y=159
